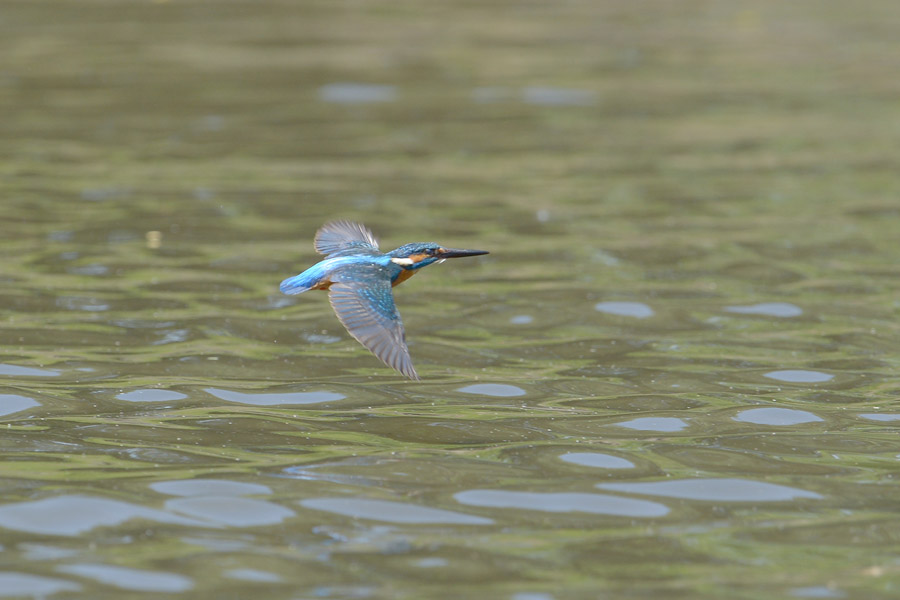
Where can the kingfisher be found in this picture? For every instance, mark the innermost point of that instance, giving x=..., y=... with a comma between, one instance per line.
x=359, y=279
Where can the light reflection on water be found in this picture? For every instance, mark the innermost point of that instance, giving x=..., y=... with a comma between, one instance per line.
x=777, y=416
x=150, y=395
x=714, y=490
x=625, y=309
x=799, y=376
x=209, y=487
x=231, y=511
x=655, y=424
x=771, y=309
x=130, y=579
x=597, y=459
x=13, y=403
x=35, y=586
x=661, y=382
x=493, y=389
x=21, y=371
x=72, y=515
x=276, y=399
x=562, y=502
x=391, y=512
x=357, y=93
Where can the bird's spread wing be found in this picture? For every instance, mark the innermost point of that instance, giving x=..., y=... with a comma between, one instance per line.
x=340, y=238
x=364, y=303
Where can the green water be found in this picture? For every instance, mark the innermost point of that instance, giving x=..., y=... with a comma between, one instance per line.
x=675, y=375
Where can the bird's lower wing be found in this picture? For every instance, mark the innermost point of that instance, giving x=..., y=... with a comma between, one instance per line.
x=364, y=303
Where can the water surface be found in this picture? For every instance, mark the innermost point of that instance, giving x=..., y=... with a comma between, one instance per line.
x=675, y=375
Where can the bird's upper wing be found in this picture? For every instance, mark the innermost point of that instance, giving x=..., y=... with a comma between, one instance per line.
x=340, y=238
x=362, y=298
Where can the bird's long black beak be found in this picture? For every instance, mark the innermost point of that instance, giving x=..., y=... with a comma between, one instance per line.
x=456, y=253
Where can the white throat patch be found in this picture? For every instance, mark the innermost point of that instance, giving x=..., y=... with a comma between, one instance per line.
x=402, y=261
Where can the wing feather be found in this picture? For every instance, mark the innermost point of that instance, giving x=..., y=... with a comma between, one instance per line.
x=364, y=303
x=340, y=238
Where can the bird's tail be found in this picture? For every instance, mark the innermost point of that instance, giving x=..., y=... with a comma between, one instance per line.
x=296, y=284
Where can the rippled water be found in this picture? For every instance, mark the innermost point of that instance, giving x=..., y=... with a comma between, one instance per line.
x=675, y=375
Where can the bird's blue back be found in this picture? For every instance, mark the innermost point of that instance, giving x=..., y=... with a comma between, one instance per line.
x=324, y=270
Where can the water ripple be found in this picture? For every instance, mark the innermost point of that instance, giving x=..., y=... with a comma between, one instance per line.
x=718, y=490
x=776, y=416
x=150, y=395
x=493, y=389
x=554, y=96
x=771, y=309
x=74, y=515
x=36, y=586
x=252, y=575
x=13, y=403
x=881, y=416
x=231, y=510
x=799, y=376
x=17, y=371
x=391, y=512
x=638, y=310
x=357, y=93
x=276, y=399
x=130, y=579
x=562, y=502
x=597, y=459
x=667, y=424
x=209, y=487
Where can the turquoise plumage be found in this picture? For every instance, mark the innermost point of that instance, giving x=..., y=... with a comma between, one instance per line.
x=359, y=278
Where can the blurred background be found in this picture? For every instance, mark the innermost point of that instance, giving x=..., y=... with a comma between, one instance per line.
x=674, y=376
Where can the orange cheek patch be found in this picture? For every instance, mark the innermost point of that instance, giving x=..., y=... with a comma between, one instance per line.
x=417, y=257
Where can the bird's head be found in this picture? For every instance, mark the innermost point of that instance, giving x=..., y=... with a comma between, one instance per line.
x=421, y=254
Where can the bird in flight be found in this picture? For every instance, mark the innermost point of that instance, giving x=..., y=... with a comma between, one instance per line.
x=359, y=278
